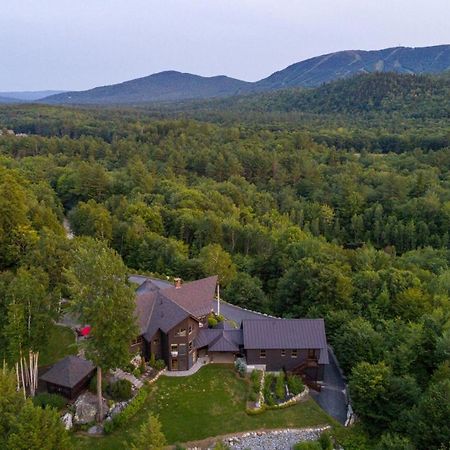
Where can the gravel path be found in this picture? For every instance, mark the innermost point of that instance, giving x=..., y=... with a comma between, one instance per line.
x=273, y=440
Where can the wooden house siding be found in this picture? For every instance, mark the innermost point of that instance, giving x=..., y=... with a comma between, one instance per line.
x=274, y=359
x=73, y=392
x=185, y=357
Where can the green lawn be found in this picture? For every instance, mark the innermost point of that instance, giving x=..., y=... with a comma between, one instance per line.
x=209, y=403
x=61, y=342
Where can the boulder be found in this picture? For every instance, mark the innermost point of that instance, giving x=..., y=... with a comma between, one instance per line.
x=117, y=408
x=96, y=429
x=67, y=420
x=86, y=408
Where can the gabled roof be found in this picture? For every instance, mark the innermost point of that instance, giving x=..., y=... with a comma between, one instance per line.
x=194, y=296
x=162, y=308
x=284, y=334
x=153, y=284
x=166, y=314
x=219, y=340
x=222, y=344
x=68, y=372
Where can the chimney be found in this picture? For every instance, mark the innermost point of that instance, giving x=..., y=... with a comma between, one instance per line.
x=178, y=282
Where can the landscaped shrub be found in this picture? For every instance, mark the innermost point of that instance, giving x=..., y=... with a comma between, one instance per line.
x=142, y=366
x=93, y=385
x=240, y=367
x=325, y=441
x=108, y=426
x=131, y=410
x=120, y=390
x=54, y=400
x=280, y=390
x=255, y=376
x=212, y=322
x=268, y=394
x=253, y=396
x=159, y=364
x=295, y=384
x=152, y=360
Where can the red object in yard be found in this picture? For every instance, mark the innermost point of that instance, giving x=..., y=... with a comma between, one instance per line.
x=85, y=330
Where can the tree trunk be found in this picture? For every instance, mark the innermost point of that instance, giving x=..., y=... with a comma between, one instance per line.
x=99, y=394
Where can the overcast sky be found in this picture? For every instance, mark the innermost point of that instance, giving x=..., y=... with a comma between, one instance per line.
x=79, y=44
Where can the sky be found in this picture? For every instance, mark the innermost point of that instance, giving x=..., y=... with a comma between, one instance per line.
x=80, y=44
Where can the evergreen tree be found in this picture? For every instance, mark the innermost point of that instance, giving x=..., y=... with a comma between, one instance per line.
x=150, y=436
x=101, y=295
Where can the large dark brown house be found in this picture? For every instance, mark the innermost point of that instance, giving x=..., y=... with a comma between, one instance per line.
x=174, y=327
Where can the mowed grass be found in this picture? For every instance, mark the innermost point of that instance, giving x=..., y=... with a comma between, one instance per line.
x=206, y=404
x=61, y=342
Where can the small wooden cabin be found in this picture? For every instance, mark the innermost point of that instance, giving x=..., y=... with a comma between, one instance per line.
x=69, y=376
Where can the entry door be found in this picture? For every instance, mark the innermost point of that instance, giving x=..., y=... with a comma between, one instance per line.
x=174, y=364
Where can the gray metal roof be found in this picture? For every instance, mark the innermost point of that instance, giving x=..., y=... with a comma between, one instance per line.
x=219, y=340
x=223, y=344
x=68, y=372
x=284, y=334
x=164, y=308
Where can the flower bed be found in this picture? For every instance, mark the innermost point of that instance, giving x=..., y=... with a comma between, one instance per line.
x=277, y=391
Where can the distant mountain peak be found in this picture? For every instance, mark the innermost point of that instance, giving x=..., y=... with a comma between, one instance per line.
x=172, y=85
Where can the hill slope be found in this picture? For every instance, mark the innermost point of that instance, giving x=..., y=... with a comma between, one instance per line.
x=322, y=69
x=9, y=100
x=160, y=87
x=413, y=95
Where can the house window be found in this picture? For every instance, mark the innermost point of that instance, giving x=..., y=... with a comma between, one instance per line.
x=311, y=354
x=181, y=332
x=182, y=349
x=262, y=353
x=190, y=329
x=155, y=341
x=190, y=346
x=137, y=340
x=174, y=347
x=283, y=352
x=294, y=353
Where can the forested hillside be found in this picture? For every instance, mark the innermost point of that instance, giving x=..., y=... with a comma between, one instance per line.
x=417, y=96
x=293, y=224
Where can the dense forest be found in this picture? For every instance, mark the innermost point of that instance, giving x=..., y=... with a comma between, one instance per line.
x=299, y=219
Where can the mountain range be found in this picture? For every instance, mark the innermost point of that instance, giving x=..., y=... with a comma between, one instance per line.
x=25, y=96
x=170, y=86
